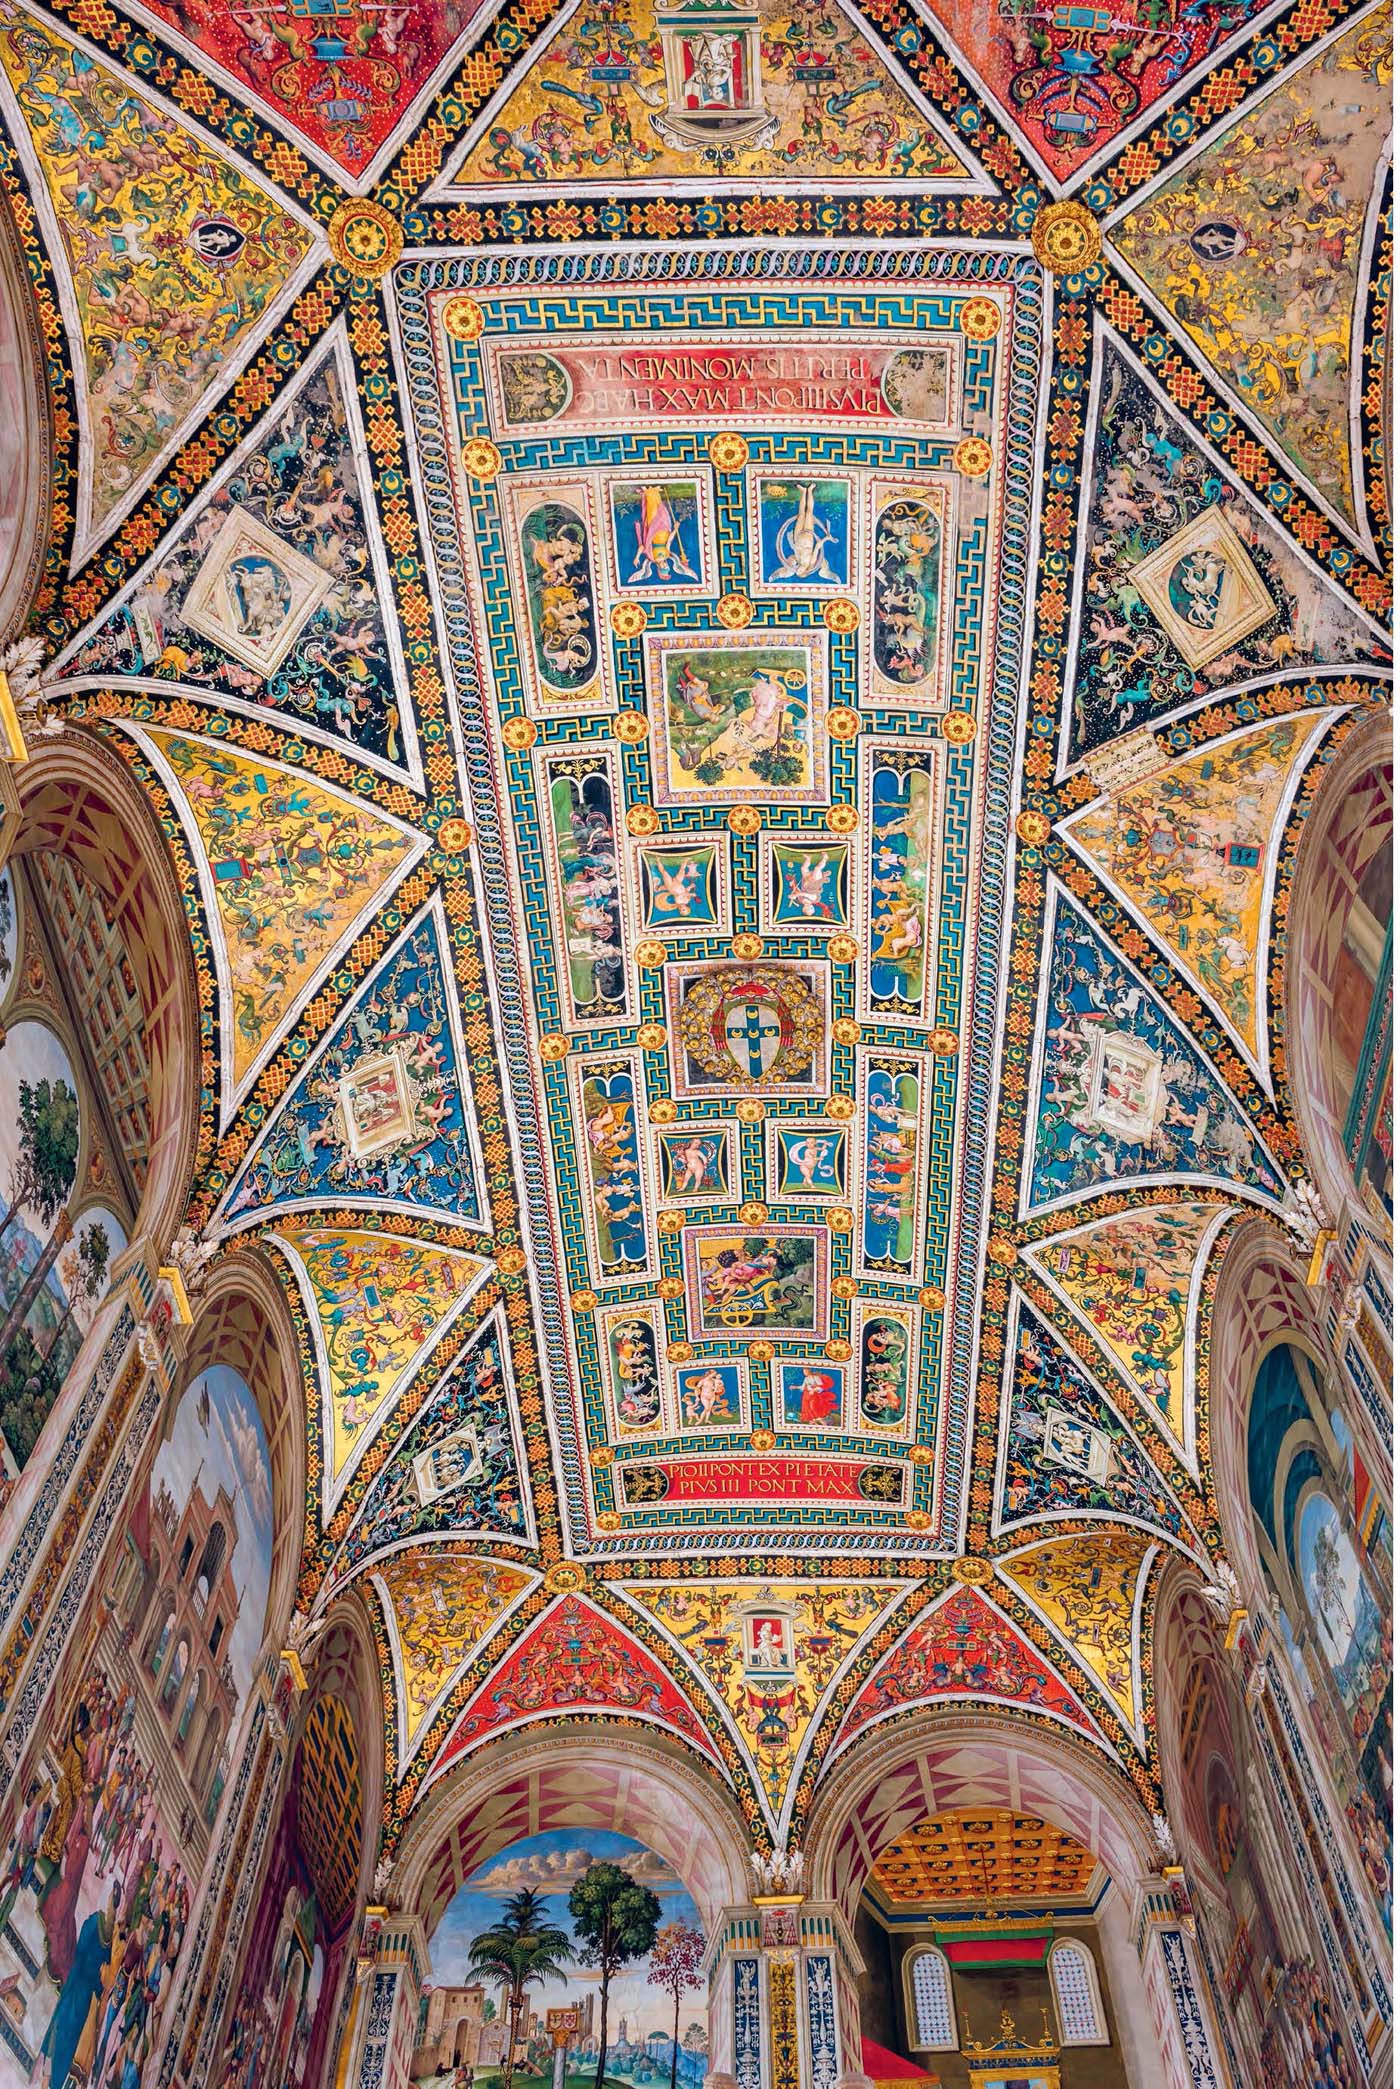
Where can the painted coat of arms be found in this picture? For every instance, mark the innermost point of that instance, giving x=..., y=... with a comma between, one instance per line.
x=1124, y=1084
x=750, y=1026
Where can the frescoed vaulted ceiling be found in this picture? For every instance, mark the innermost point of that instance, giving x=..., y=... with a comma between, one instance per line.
x=732, y=615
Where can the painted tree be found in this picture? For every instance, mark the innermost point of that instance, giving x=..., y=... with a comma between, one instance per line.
x=615, y=1921
x=675, y=1966
x=519, y=1952
x=94, y=1251
x=47, y=1161
x=42, y=1178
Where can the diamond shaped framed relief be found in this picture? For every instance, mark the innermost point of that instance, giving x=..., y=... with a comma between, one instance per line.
x=254, y=593
x=1203, y=589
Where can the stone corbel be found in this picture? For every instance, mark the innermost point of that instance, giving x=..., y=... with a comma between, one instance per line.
x=24, y=714
x=303, y=1638
x=1310, y=1226
x=160, y=1305
x=778, y=1876
x=1222, y=1598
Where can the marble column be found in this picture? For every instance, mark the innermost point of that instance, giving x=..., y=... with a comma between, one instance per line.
x=383, y=2028
x=1177, y=1993
x=783, y=2008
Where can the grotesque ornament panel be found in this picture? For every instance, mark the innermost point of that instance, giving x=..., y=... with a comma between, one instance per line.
x=747, y=664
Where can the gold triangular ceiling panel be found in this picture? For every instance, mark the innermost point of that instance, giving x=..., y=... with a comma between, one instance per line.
x=1269, y=295
x=1192, y=851
x=1088, y=1590
x=176, y=260
x=439, y=1611
x=292, y=872
x=1133, y=1283
x=648, y=94
x=771, y=1653
x=379, y=1304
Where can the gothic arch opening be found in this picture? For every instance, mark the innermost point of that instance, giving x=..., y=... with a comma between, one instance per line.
x=99, y=1035
x=1240, y=1821
x=296, y=1972
x=590, y=1814
x=242, y=1330
x=1262, y=1303
x=582, y=1778
x=87, y=841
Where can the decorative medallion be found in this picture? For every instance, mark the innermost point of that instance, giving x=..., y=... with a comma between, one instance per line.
x=728, y=452
x=480, y=458
x=752, y=1026
x=973, y=457
x=1065, y=238
x=365, y=238
x=463, y=319
x=979, y=318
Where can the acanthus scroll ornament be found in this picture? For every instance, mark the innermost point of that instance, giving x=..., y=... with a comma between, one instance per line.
x=1221, y=1594
x=779, y=1872
x=1308, y=1224
x=1163, y=1837
x=299, y=1651
x=191, y=1254
x=24, y=712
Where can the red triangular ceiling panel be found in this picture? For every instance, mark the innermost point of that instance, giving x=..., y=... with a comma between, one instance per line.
x=573, y=1661
x=965, y=1648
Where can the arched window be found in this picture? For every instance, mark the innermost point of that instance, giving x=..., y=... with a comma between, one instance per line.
x=191, y=1706
x=210, y=1562
x=930, y=1993
x=1075, y=1980
x=208, y=1751
x=176, y=1674
x=160, y=1645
